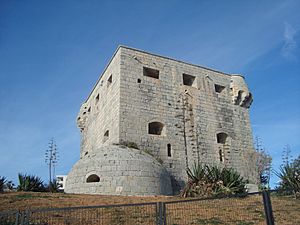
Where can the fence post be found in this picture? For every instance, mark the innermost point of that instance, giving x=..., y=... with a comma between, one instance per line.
x=17, y=218
x=164, y=214
x=160, y=213
x=268, y=207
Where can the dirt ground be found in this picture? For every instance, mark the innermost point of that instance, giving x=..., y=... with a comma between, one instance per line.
x=242, y=211
x=35, y=200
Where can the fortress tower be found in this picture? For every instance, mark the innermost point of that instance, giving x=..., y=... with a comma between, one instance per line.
x=175, y=113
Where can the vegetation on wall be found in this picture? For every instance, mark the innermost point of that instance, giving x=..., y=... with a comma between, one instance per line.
x=205, y=180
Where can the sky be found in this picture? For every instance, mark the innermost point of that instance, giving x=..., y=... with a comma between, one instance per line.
x=53, y=52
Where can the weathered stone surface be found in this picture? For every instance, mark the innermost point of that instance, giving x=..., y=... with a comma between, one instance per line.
x=178, y=112
x=122, y=171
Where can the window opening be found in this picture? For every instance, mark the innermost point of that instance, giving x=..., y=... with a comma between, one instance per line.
x=97, y=98
x=93, y=178
x=109, y=81
x=221, y=155
x=139, y=81
x=151, y=72
x=106, y=136
x=188, y=79
x=155, y=128
x=219, y=88
x=169, y=150
x=221, y=138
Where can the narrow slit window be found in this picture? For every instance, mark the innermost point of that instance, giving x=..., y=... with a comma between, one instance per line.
x=219, y=88
x=110, y=80
x=188, y=80
x=221, y=155
x=169, y=149
x=97, y=99
x=93, y=178
x=148, y=72
x=106, y=136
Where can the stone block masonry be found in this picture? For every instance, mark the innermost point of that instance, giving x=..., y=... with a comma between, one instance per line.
x=178, y=113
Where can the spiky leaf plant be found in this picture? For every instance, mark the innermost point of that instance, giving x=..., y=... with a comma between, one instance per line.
x=289, y=175
x=212, y=181
x=30, y=183
x=2, y=183
x=53, y=186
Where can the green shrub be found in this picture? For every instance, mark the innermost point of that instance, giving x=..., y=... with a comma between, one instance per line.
x=2, y=183
x=53, y=186
x=30, y=183
x=213, y=181
x=129, y=144
x=289, y=175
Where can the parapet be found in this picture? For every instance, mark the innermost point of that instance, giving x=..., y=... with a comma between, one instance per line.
x=240, y=93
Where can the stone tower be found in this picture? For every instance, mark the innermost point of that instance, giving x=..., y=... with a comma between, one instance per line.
x=175, y=113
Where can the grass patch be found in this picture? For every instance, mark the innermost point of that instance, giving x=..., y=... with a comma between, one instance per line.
x=211, y=221
x=241, y=222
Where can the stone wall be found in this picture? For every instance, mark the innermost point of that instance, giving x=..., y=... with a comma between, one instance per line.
x=98, y=119
x=121, y=171
x=178, y=112
x=196, y=109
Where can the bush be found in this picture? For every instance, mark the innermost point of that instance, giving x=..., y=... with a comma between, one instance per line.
x=2, y=183
x=213, y=181
x=53, y=186
x=289, y=175
x=30, y=183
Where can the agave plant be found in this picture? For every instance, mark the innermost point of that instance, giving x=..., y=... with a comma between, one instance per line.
x=30, y=183
x=2, y=183
x=211, y=181
x=289, y=175
x=53, y=186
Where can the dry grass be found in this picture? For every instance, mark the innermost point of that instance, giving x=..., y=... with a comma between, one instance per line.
x=242, y=211
x=35, y=200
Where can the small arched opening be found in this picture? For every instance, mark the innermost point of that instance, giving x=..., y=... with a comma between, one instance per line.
x=155, y=128
x=93, y=178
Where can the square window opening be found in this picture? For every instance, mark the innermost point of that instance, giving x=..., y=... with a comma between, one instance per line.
x=219, y=88
x=188, y=80
x=148, y=72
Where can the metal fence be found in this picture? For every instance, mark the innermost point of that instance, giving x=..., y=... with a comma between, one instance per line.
x=247, y=209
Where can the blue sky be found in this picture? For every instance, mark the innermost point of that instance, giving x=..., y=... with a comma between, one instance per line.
x=52, y=53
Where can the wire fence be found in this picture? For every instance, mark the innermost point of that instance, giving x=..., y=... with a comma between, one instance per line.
x=256, y=208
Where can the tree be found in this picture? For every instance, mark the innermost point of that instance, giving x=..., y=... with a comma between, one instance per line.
x=51, y=159
x=263, y=163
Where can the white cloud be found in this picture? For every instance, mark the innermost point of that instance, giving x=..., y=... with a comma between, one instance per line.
x=289, y=41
